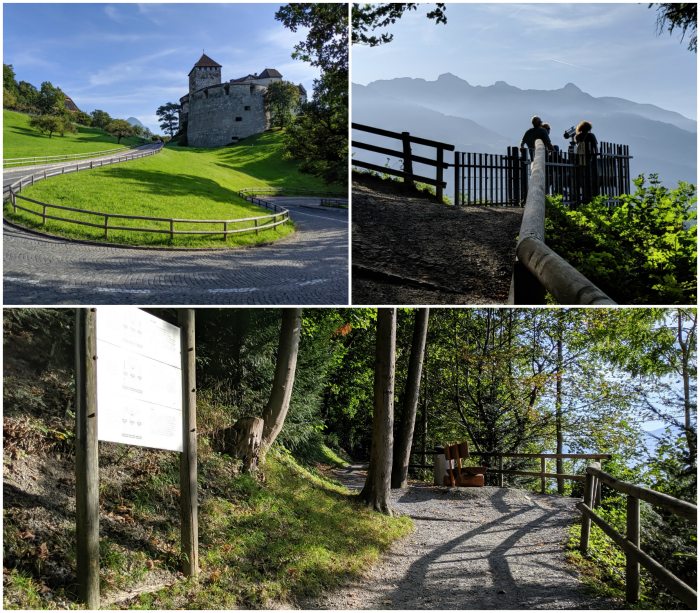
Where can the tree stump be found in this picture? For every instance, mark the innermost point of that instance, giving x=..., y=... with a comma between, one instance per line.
x=243, y=440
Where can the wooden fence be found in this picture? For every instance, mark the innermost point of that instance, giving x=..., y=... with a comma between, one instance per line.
x=14, y=195
x=630, y=543
x=538, y=269
x=492, y=179
x=50, y=159
x=407, y=156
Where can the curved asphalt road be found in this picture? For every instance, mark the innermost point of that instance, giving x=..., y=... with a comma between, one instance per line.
x=309, y=268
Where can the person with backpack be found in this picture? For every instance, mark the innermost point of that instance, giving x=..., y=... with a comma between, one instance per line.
x=584, y=137
x=587, y=150
x=533, y=134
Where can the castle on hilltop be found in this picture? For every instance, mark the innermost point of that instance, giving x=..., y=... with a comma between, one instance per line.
x=214, y=114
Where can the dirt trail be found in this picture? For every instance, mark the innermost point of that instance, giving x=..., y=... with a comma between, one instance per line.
x=478, y=548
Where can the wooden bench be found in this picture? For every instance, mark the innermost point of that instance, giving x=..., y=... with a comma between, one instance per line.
x=458, y=476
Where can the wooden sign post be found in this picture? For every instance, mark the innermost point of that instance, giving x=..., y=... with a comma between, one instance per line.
x=142, y=392
x=86, y=469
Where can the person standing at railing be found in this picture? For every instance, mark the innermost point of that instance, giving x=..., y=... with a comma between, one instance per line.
x=586, y=152
x=536, y=132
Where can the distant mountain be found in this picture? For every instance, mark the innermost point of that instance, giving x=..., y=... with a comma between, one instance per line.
x=135, y=122
x=489, y=119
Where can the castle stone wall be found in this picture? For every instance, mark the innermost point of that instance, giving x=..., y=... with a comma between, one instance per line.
x=216, y=118
x=204, y=76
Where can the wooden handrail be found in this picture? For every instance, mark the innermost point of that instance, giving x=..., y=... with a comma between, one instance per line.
x=630, y=543
x=537, y=268
x=66, y=156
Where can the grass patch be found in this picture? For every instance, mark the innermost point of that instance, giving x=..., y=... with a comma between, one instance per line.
x=179, y=182
x=19, y=140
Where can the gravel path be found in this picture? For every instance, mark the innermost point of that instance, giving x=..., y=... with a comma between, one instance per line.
x=310, y=267
x=477, y=548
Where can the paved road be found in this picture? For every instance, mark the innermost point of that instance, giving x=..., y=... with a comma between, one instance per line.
x=310, y=268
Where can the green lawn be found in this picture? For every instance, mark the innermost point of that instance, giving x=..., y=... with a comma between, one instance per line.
x=19, y=140
x=180, y=182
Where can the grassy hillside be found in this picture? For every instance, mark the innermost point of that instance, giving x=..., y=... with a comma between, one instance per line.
x=19, y=140
x=180, y=182
x=264, y=541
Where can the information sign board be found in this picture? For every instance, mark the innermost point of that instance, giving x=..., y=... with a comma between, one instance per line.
x=139, y=379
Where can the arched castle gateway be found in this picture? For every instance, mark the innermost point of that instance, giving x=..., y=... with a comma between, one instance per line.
x=215, y=114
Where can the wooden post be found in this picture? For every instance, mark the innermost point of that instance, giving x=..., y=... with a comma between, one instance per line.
x=106, y=225
x=543, y=485
x=456, y=178
x=274, y=221
x=256, y=227
x=587, y=497
x=225, y=230
x=43, y=217
x=500, y=467
x=189, y=534
x=44, y=173
x=172, y=234
x=87, y=529
x=632, y=582
x=438, y=187
x=407, y=159
x=91, y=161
x=32, y=179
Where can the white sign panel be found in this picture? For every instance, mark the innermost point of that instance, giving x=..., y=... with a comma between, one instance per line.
x=139, y=379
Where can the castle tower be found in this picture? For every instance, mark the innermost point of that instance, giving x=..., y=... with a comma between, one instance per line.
x=205, y=72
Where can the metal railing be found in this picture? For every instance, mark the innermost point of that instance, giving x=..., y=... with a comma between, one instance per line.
x=537, y=268
x=16, y=189
x=630, y=543
x=49, y=159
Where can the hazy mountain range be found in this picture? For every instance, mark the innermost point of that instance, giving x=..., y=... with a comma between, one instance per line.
x=489, y=119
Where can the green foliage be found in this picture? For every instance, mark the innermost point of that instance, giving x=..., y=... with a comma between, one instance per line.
x=681, y=16
x=369, y=17
x=53, y=123
x=82, y=118
x=9, y=99
x=643, y=251
x=8, y=78
x=120, y=129
x=51, y=100
x=100, y=119
x=281, y=98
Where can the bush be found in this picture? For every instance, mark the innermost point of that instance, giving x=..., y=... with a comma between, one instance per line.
x=643, y=251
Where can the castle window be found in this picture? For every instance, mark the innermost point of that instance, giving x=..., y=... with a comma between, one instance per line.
x=226, y=90
x=252, y=89
x=206, y=93
x=247, y=108
x=239, y=118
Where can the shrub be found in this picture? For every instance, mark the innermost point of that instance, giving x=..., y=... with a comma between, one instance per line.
x=643, y=251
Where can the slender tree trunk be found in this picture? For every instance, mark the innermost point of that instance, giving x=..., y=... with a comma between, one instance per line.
x=685, y=373
x=376, y=492
x=278, y=404
x=399, y=471
x=560, y=434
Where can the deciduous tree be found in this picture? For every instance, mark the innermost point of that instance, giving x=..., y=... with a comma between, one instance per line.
x=51, y=124
x=368, y=17
x=281, y=99
x=678, y=16
x=51, y=100
x=100, y=119
x=120, y=129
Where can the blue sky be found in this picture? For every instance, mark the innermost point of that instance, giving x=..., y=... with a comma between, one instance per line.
x=129, y=59
x=605, y=49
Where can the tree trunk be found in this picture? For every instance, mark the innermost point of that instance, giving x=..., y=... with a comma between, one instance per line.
x=243, y=440
x=278, y=404
x=376, y=492
x=685, y=345
x=399, y=471
x=560, y=434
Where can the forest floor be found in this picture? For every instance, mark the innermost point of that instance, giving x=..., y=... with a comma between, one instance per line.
x=473, y=548
x=407, y=249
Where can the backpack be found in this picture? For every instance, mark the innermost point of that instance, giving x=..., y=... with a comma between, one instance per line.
x=581, y=153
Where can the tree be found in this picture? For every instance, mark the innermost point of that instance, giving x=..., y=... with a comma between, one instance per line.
x=51, y=100
x=100, y=119
x=281, y=99
x=277, y=406
x=679, y=16
x=168, y=115
x=9, y=99
x=369, y=17
x=120, y=129
x=376, y=492
x=28, y=93
x=51, y=124
x=82, y=118
x=8, y=78
x=402, y=449
x=166, y=139
x=320, y=138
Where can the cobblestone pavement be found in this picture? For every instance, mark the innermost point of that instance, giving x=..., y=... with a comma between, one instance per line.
x=309, y=268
